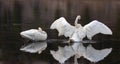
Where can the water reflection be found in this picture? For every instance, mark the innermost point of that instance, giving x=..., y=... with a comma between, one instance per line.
x=61, y=51
x=10, y=52
x=35, y=47
x=78, y=50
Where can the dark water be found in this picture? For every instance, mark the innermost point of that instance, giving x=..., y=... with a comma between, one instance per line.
x=10, y=52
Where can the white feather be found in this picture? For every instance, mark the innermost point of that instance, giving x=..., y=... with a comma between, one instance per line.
x=96, y=55
x=78, y=50
x=89, y=53
x=77, y=32
x=34, y=34
x=63, y=27
x=63, y=54
x=36, y=47
x=96, y=27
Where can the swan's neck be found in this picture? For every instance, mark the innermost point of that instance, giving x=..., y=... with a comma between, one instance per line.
x=76, y=20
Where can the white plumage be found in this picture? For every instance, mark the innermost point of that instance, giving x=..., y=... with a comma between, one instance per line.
x=89, y=52
x=77, y=32
x=34, y=34
x=36, y=47
x=63, y=54
x=96, y=27
x=78, y=50
x=94, y=55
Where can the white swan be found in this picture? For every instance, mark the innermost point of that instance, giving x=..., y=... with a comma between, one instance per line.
x=77, y=32
x=35, y=47
x=34, y=34
x=78, y=50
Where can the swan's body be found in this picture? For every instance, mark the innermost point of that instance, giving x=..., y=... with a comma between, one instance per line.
x=35, y=47
x=34, y=34
x=78, y=50
x=77, y=32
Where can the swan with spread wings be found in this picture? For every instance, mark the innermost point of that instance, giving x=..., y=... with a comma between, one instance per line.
x=78, y=32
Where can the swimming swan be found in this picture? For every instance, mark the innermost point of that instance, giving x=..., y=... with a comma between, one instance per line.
x=77, y=32
x=34, y=34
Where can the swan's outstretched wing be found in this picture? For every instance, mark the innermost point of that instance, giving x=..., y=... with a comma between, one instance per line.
x=96, y=55
x=96, y=27
x=36, y=47
x=62, y=54
x=63, y=27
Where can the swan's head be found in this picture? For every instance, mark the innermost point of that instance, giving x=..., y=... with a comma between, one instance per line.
x=76, y=21
x=39, y=28
x=41, y=31
x=78, y=17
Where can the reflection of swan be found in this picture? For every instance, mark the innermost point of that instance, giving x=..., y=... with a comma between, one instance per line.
x=34, y=34
x=77, y=32
x=89, y=52
x=77, y=49
x=35, y=47
x=96, y=55
x=63, y=54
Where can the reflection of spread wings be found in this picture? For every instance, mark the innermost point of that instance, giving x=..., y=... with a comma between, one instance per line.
x=90, y=53
x=63, y=27
x=96, y=55
x=63, y=53
x=36, y=47
x=96, y=27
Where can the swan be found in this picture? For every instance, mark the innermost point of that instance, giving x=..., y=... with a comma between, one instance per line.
x=34, y=34
x=78, y=32
x=35, y=47
x=78, y=50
